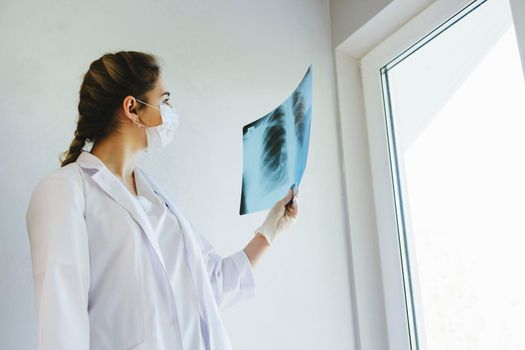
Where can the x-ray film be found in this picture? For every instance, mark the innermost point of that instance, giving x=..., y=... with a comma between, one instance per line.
x=275, y=149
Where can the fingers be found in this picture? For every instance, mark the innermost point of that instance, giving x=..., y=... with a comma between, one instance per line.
x=293, y=209
x=287, y=198
x=292, y=215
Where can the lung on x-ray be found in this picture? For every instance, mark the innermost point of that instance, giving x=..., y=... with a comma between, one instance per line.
x=275, y=149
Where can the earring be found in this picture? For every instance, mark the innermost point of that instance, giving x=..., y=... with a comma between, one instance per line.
x=138, y=124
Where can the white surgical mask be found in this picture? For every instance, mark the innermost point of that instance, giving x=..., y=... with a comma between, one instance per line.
x=160, y=136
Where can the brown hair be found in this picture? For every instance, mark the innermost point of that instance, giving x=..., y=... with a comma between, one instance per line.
x=107, y=82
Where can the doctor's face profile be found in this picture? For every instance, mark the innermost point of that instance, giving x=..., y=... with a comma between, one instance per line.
x=157, y=117
x=147, y=114
x=124, y=107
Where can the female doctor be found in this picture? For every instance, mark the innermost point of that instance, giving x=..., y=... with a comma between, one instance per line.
x=116, y=265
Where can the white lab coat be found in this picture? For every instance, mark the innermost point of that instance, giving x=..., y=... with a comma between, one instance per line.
x=93, y=279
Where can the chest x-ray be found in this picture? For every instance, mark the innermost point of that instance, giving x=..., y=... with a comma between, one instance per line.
x=275, y=149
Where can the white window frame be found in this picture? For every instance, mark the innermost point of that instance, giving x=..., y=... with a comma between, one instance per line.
x=380, y=312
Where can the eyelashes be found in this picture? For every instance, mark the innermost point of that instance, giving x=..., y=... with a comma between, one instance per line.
x=275, y=155
x=167, y=101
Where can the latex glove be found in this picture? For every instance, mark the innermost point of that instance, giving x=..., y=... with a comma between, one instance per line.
x=281, y=215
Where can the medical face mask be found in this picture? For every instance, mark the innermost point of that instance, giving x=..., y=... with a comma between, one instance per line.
x=160, y=136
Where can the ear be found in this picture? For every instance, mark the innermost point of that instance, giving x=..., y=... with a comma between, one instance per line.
x=129, y=109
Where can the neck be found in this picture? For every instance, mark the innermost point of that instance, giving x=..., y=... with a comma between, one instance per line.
x=118, y=155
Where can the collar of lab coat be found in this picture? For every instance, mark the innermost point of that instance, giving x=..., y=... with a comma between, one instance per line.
x=113, y=187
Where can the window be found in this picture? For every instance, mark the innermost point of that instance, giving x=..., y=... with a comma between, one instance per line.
x=453, y=121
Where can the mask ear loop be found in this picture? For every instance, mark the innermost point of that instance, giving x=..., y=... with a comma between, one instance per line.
x=140, y=125
x=158, y=109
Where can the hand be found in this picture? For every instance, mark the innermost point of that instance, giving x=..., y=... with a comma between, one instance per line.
x=281, y=216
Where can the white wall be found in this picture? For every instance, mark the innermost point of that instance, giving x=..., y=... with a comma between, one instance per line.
x=349, y=15
x=228, y=63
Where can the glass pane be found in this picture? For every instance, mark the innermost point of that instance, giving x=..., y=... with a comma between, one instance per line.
x=456, y=122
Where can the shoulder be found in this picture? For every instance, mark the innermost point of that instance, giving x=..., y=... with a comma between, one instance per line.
x=62, y=186
x=68, y=177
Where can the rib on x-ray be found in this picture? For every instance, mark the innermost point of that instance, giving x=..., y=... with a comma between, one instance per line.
x=275, y=149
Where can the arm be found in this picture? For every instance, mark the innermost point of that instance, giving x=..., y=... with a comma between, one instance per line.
x=60, y=264
x=255, y=249
x=232, y=277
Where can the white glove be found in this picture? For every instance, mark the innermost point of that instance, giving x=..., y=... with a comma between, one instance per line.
x=280, y=217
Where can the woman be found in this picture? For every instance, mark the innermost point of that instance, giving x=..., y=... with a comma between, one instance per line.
x=116, y=265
